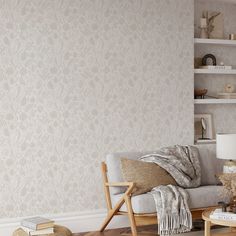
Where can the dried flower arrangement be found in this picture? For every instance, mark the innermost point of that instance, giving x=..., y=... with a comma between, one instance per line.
x=229, y=182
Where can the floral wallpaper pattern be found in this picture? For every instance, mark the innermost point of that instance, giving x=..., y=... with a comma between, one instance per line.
x=82, y=78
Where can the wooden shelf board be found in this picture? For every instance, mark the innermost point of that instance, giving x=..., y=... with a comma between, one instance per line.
x=225, y=42
x=214, y=71
x=214, y=101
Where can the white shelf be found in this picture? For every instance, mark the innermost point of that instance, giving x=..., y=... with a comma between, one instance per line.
x=219, y=1
x=214, y=71
x=224, y=42
x=228, y=1
x=214, y=101
x=210, y=141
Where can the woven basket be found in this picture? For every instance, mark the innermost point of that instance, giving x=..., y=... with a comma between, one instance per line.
x=58, y=231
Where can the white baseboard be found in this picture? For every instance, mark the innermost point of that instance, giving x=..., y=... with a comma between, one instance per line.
x=75, y=221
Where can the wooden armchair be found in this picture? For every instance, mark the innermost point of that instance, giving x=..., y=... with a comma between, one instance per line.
x=135, y=219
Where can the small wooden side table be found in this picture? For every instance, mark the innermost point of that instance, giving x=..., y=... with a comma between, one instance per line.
x=209, y=222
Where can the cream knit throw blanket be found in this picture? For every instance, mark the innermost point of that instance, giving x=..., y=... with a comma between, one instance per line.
x=182, y=163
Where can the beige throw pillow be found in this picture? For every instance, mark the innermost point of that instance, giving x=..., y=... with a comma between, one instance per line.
x=145, y=175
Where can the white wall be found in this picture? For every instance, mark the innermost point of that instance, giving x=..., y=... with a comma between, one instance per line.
x=83, y=78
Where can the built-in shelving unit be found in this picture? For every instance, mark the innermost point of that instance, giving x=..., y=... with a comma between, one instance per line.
x=214, y=101
x=215, y=80
x=215, y=71
x=223, y=42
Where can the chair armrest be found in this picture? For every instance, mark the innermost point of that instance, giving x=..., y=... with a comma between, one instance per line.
x=130, y=186
x=120, y=184
x=107, y=185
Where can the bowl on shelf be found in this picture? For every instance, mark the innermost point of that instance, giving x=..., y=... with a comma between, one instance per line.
x=200, y=93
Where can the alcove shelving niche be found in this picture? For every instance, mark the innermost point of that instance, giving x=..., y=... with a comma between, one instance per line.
x=223, y=111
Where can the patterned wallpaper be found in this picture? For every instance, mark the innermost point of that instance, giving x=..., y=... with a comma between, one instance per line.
x=82, y=78
x=224, y=116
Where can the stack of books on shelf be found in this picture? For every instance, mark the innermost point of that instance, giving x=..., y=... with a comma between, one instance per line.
x=216, y=67
x=37, y=226
x=206, y=141
x=227, y=95
x=217, y=214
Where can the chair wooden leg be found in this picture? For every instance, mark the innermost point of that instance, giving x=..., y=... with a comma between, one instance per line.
x=107, y=220
x=131, y=216
x=111, y=213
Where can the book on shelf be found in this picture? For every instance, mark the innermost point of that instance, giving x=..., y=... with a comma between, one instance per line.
x=227, y=95
x=37, y=223
x=217, y=214
x=32, y=232
x=206, y=141
x=216, y=67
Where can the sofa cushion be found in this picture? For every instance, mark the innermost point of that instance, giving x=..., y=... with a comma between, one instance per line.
x=204, y=196
x=210, y=165
x=114, y=168
x=145, y=175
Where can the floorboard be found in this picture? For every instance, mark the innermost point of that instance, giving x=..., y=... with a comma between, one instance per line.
x=143, y=231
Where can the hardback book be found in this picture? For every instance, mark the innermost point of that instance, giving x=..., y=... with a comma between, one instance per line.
x=216, y=67
x=219, y=215
x=32, y=232
x=37, y=223
x=227, y=95
x=206, y=141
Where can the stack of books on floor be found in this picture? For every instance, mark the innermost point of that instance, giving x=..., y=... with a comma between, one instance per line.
x=37, y=226
x=217, y=214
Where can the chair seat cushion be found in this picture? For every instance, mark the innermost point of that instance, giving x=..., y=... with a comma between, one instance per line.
x=203, y=196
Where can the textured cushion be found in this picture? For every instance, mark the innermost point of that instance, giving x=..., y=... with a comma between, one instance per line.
x=145, y=175
x=210, y=165
x=114, y=168
x=204, y=196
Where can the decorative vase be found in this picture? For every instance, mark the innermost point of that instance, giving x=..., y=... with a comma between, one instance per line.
x=204, y=33
x=204, y=28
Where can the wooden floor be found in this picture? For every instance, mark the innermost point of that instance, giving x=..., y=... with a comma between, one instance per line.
x=144, y=231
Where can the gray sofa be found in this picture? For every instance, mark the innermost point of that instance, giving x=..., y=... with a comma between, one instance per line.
x=205, y=196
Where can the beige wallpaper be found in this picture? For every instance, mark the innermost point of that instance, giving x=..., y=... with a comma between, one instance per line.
x=224, y=116
x=79, y=79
